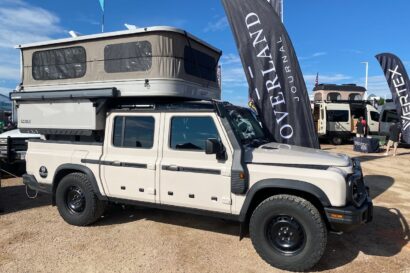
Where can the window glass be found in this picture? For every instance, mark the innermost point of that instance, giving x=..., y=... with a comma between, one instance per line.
x=62, y=63
x=128, y=57
x=138, y=132
x=390, y=116
x=355, y=96
x=374, y=116
x=199, y=64
x=191, y=133
x=337, y=116
x=334, y=96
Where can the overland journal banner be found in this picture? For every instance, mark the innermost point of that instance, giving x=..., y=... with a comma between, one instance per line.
x=276, y=84
x=399, y=84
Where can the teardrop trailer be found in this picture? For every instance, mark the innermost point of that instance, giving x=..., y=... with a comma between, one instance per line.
x=134, y=117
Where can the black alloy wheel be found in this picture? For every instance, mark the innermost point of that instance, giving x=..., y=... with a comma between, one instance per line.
x=286, y=235
x=75, y=200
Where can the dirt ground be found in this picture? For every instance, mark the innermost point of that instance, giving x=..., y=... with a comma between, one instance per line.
x=34, y=238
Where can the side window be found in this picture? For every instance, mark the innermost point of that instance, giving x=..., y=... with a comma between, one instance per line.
x=200, y=64
x=59, y=64
x=374, y=116
x=191, y=133
x=337, y=116
x=134, y=132
x=128, y=57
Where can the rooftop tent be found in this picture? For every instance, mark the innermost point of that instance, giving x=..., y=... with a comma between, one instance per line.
x=157, y=61
x=68, y=84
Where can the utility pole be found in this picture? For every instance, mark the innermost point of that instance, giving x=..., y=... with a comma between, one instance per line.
x=366, y=84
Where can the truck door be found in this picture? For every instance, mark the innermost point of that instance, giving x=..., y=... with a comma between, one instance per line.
x=322, y=120
x=188, y=176
x=130, y=154
x=372, y=120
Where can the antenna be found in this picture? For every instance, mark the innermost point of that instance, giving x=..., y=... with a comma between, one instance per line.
x=74, y=34
x=130, y=27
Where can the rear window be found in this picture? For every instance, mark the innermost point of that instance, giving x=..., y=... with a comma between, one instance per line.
x=337, y=116
x=128, y=57
x=58, y=64
x=200, y=64
x=134, y=132
x=390, y=116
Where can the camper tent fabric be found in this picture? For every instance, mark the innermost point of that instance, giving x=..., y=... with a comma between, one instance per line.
x=157, y=55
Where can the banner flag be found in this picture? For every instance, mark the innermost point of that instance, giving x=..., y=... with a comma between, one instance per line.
x=399, y=84
x=276, y=83
x=102, y=4
x=278, y=6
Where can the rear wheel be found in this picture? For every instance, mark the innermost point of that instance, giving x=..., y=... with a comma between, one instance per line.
x=288, y=232
x=336, y=140
x=76, y=201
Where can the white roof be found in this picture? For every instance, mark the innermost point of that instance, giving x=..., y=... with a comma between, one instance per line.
x=118, y=33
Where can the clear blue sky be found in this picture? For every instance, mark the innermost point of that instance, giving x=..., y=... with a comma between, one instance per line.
x=330, y=37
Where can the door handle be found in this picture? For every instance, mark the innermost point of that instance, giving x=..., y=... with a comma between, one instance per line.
x=116, y=163
x=173, y=168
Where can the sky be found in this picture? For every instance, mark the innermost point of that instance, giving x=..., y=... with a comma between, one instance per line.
x=331, y=38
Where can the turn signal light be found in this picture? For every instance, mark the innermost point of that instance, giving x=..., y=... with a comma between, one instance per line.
x=336, y=216
x=242, y=175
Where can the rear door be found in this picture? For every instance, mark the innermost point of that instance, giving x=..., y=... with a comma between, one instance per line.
x=188, y=176
x=338, y=119
x=372, y=119
x=322, y=120
x=130, y=155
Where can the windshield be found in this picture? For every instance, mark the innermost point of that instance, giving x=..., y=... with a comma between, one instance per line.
x=246, y=126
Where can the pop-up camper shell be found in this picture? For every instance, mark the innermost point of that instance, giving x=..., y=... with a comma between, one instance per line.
x=67, y=83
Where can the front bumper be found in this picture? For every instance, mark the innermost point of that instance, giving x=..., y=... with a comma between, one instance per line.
x=348, y=218
x=31, y=182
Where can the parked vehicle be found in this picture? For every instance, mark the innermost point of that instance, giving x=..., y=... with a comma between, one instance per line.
x=337, y=120
x=169, y=143
x=13, y=148
x=388, y=116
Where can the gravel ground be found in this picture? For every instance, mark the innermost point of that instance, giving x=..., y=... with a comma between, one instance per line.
x=34, y=238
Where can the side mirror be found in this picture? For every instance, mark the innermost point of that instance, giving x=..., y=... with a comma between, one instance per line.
x=214, y=146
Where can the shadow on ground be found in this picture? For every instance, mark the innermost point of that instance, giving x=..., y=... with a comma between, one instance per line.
x=384, y=237
x=14, y=199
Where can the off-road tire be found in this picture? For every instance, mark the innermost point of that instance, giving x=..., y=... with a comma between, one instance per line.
x=90, y=212
x=310, y=220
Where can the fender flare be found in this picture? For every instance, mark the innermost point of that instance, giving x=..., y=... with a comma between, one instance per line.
x=83, y=169
x=282, y=184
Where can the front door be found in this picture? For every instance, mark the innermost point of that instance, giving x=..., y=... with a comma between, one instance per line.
x=130, y=156
x=373, y=120
x=188, y=176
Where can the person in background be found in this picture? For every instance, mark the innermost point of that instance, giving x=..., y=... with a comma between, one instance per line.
x=395, y=135
x=359, y=128
x=364, y=123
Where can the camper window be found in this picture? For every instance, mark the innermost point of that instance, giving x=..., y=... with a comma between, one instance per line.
x=199, y=64
x=338, y=116
x=128, y=57
x=62, y=63
x=134, y=132
x=374, y=116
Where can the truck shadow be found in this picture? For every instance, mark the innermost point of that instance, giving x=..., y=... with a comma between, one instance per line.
x=384, y=237
x=14, y=199
x=378, y=184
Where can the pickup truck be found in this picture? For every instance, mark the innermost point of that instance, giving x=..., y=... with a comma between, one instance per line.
x=210, y=158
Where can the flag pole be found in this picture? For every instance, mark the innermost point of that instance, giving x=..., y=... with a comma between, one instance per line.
x=103, y=17
x=282, y=9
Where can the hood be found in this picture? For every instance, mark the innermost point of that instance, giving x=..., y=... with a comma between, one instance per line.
x=276, y=153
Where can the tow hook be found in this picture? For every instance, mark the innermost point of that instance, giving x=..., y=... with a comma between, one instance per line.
x=31, y=196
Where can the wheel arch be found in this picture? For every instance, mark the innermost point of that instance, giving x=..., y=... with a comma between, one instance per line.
x=269, y=187
x=66, y=169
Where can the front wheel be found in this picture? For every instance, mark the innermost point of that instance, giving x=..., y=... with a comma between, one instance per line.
x=288, y=232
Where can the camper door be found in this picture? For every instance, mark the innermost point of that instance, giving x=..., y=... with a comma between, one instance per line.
x=322, y=120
